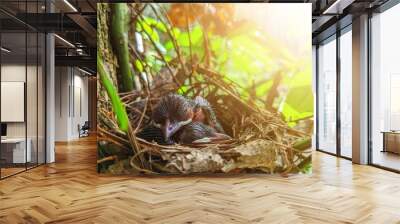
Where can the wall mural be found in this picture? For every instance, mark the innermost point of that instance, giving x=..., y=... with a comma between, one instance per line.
x=204, y=88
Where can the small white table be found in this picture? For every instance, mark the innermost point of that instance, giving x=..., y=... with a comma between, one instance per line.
x=18, y=150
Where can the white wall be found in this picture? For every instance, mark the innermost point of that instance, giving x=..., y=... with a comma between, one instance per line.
x=62, y=81
x=71, y=102
x=80, y=110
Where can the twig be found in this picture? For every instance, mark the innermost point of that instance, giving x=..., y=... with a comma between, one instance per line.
x=273, y=92
x=207, y=51
x=160, y=54
x=190, y=39
x=209, y=75
x=103, y=131
x=113, y=141
x=133, y=141
x=171, y=36
x=108, y=158
x=131, y=162
x=141, y=116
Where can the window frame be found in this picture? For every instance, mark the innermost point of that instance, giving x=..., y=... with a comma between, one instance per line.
x=334, y=37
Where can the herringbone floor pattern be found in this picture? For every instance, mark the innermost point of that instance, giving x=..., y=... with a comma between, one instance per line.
x=70, y=191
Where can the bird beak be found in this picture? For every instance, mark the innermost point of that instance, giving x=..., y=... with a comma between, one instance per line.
x=170, y=129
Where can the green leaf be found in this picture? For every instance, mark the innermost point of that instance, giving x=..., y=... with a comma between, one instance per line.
x=155, y=23
x=306, y=165
x=307, y=168
x=176, y=32
x=299, y=103
x=169, y=45
x=264, y=88
x=182, y=90
x=148, y=31
x=118, y=106
x=139, y=65
x=301, y=78
x=196, y=36
x=302, y=144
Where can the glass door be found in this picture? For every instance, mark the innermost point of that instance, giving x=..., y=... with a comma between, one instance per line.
x=14, y=155
x=385, y=89
x=22, y=77
x=346, y=92
x=32, y=98
x=327, y=96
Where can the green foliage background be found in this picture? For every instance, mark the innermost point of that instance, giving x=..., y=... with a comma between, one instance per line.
x=246, y=55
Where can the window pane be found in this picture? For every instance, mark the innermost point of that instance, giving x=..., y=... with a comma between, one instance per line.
x=14, y=153
x=41, y=98
x=327, y=96
x=31, y=97
x=386, y=89
x=346, y=94
x=22, y=88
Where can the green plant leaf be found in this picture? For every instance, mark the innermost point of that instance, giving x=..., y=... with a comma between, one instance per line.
x=155, y=23
x=196, y=36
x=138, y=65
x=299, y=103
x=118, y=106
x=148, y=31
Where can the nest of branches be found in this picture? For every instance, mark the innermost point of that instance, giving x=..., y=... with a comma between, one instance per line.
x=261, y=140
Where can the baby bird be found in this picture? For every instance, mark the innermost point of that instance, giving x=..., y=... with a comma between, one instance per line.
x=171, y=113
x=151, y=133
x=204, y=113
x=197, y=133
x=175, y=112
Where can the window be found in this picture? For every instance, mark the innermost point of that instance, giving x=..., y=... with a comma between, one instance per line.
x=346, y=93
x=22, y=75
x=327, y=96
x=385, y=89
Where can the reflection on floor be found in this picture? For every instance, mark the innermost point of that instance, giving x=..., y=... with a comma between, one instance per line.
x=9, y=170
x=71, y=191
x=387, y=159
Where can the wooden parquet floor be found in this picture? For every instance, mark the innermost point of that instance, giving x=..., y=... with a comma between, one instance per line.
x=70, y=191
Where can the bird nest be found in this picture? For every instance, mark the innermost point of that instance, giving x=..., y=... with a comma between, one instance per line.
x=261, y=140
